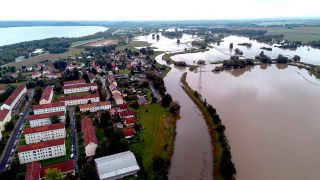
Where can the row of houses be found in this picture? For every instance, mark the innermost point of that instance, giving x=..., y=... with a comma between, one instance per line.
x=117, y=96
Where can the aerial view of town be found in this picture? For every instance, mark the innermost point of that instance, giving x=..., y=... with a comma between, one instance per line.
x=99, y=90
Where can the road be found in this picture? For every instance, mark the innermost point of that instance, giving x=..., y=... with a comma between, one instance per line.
x=6, y=153
x=73, y=138
x=155, y=92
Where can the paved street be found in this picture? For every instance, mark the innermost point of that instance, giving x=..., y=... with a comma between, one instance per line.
x=73, y=137
x=155, y=92
x=13, y=137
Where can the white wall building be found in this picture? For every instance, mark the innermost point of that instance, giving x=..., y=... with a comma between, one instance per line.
x=77, y=100
x=117, y=166
x=44, y=119
x=40, y=151
x=15, y=97
x=5, y=116
x=44, y=133
x=49, y=108
x=80, y=88
x=89, y=137
x=94, y=107
x=74, y=82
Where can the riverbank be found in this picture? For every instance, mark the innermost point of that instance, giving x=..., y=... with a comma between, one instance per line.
x=169, y=60
x=223, y=165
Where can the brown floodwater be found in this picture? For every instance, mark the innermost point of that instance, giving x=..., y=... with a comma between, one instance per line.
x=192, y=156
x=271, y=114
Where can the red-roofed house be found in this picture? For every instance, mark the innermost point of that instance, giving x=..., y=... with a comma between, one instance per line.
x=94, y=107
x=44, y=133
x=129, y=122
x=89, y=137
x=33, y=171
x=112, y=81
x=74, y=82
x=76, y=100
x=118, y=97
x=65, y=167
x=42, y=150
x=47, y=95
x=44, y=119
x=49, y=108
x=122, y=107
x=15, y=97
x=128, y=133
x=80, y=88
x=5, y=116
x=127, y=114
x=36, y=172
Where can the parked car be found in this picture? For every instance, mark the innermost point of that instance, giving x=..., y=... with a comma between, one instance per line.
x=71, y=156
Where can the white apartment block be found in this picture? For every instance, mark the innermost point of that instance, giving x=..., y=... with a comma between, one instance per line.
x=47, y=95
x=15, y=97
x=44, y=119
x=94, y=107
x=77, y=100
x=40, y=151
x=44, y=133
x=5, y=116
x=80, y=88
x=49, y=108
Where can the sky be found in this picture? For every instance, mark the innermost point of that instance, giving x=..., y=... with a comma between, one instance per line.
x=106, y=10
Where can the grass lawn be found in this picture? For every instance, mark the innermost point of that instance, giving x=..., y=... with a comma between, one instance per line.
x=61, y=158
x=124, y=71
x=132, y=45
x=148, y=92
x=77, y=94
x=303, y=34
x=51, y=57
x=157, y=139
x=4, y=140
x=79, y=43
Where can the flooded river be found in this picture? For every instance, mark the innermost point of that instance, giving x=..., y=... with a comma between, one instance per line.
x=272, y=119
x=192, y=157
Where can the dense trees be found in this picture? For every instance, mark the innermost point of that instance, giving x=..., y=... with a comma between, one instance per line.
x=237, y=63
x=88, y=172
x=9, y=126
x=282, y=59
x=53, y=174
x=60, y=64
x=37, y=94
x=166, y=100
x=296, y=58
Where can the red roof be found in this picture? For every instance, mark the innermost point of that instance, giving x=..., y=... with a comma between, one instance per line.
x=88, y=132
x=94, y=104
x=80, y=86
x=15, y=94
x=44, y=128
x=44, y=106
x=47, y=115
x=128, y=132
x=65, y=166
x=80, y=81
x=127, y=113
x=69, y=98
x=40, y=145
x=130, y=120
x=3, y=113
x=123, y=106
x=33, y=171
x=46, y=93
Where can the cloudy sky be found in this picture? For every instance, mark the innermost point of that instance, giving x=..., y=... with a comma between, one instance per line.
x=155, y=10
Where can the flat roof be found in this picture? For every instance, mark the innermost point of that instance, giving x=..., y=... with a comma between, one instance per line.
x=116, y=164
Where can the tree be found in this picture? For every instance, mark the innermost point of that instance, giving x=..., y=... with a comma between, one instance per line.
x=9, y=126
x=174, y=108
x=88, y=172
x=166, y=100
x=53, y=174
x=55, y=119
x=105, y=119
x=67, y=119
x=86, y=77
x=296, y=58
x=37, y=94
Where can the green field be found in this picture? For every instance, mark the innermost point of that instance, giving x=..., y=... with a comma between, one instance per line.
x=157, y=139
x=51, y=57
x=132, y=45
x=303, y=34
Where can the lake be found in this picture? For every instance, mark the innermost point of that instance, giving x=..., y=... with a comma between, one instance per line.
x=14, y=35
x=271, y=114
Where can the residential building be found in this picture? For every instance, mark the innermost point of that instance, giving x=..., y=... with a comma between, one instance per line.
x=42, y=150
x=118, y=98
x=122, y=107
x=15, y=97
x=49, y=108
x=44, y=119
x=33, y=171
x=128, y=133
x=36, y=172
x=89, y=137
x=127, y=114
x=65, y=167
x=117, y=166
x=46, y=96
x=77, y=100
x=80, y=88
x=112, y=81
x=5, y=116
x=44, y=133
x=94, y=107
x=36, y=75
x=130, y=122
x=74, y=82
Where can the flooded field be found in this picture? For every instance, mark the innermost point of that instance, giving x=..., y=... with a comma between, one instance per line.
x=271, y=114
